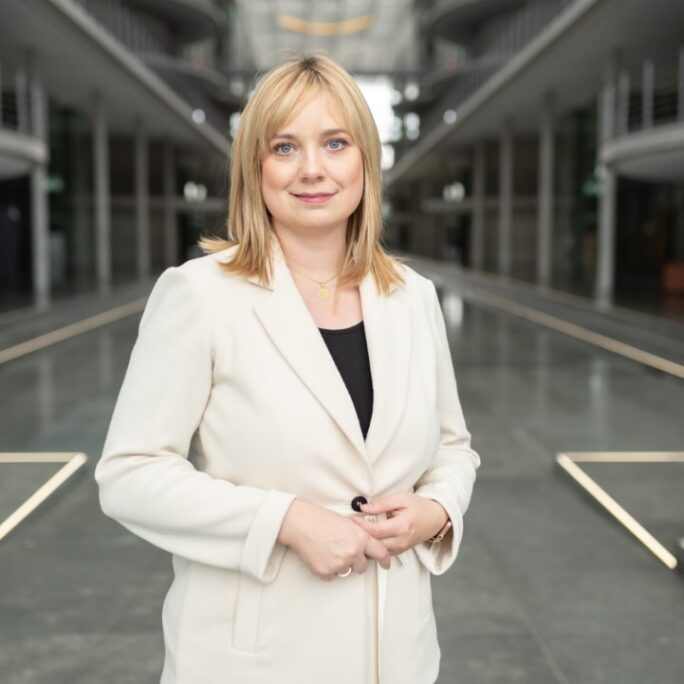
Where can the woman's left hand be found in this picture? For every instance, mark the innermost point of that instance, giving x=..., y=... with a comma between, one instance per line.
x=411, y=520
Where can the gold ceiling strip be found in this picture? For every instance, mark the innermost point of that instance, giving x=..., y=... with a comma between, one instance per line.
x=325, y=28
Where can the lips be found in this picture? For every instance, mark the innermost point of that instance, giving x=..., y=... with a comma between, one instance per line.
x=314, y=198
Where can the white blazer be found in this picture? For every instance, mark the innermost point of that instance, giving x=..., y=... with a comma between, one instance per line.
x=231, y=407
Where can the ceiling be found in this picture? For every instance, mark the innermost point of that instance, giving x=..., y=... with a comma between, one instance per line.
x=363, y=35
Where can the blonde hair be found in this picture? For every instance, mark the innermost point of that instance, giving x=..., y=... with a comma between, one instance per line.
x=275, y=99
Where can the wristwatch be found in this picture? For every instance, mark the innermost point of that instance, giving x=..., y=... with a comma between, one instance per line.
x=442, y=533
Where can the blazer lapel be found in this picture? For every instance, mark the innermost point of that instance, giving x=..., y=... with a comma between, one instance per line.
x=387, y=325
x=294, y=332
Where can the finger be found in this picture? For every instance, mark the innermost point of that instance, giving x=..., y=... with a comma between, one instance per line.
x=383, y=528
x=385, y=503
x=360, y=564
x=376, y=549
x=395, y=545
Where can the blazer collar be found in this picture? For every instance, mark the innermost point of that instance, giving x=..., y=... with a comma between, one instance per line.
x=293, y=331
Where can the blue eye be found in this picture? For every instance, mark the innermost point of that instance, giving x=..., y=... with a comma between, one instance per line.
x=338, y=140
x=278, y=147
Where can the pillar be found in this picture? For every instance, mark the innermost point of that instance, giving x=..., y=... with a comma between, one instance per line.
x=505, y=198
x=142, y=200
x=478, y=216
x=102, y=194
x=170, y=218
x=680, y=86
x=647, y=93
x=605, y=257
x=36, y=124
x=546, y=192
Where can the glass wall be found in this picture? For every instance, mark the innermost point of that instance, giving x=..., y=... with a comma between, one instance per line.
x=650, y=235
x=15, y=243
x=70, y=191
x=576, y=202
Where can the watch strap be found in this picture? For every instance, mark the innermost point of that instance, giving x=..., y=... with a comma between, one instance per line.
x=442, y=533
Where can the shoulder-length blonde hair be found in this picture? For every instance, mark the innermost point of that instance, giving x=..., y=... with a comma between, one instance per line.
x=274, y=101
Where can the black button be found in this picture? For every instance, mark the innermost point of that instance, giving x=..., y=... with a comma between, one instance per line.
x=357, y=501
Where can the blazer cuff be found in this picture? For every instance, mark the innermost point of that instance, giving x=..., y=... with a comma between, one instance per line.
x=262, y=554
x=438, y=557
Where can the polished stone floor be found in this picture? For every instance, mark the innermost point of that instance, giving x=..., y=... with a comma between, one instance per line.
x=547, y=588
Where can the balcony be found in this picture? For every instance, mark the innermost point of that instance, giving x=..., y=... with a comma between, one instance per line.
x=648, y=143
x=460, y=20
x=21, y=146
x=493, y=55
x=191, y=19
x=189, y=68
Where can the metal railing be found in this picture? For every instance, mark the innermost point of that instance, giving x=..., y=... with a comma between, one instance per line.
x=17, y=111
x=650, y=94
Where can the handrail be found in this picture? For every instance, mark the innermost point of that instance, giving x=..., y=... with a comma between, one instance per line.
x=17, y=109
x=650, y=94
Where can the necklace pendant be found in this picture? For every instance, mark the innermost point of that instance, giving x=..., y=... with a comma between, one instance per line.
x=323, y=293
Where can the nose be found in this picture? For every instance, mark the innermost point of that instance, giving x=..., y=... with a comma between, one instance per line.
x=311, y=165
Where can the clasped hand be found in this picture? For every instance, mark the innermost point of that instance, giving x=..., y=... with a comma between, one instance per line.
x=330, y=543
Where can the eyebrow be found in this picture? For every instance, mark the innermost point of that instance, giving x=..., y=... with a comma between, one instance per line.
x=329, y=131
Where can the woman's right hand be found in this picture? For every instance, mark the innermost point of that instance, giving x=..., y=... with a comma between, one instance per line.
x=329, y=543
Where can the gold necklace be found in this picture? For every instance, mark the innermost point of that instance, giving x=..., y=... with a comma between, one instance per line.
x=322, y=289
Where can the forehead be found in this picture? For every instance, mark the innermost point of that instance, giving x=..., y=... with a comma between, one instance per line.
x=316, y=109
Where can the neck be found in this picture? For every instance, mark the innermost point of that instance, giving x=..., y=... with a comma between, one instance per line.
x=319, y=256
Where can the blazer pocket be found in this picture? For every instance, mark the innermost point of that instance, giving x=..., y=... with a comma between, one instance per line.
x=247, y=614
x=248, y=609
x=425, y=592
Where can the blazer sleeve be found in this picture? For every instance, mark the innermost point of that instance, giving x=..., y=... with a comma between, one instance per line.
x=450, y=479
x=145, y=479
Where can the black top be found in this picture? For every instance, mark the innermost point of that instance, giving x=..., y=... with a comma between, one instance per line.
x=350, y=352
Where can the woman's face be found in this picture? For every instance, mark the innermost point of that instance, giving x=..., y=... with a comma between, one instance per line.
x=312, y=175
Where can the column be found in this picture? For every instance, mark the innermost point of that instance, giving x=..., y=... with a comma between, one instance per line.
x=605, y=257
x=680, y=86
x=36, y=124
x=22, y=94
x=505, y=197
x=170, y=218
x=102, y=194
x=622, y=103
x=142, y=200
x=647, y=93
x=478, y=215
x=546, y=191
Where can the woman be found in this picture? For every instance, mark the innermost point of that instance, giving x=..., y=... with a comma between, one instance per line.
x=258, y=413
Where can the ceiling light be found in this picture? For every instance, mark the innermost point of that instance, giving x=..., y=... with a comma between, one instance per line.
x=325, y=28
